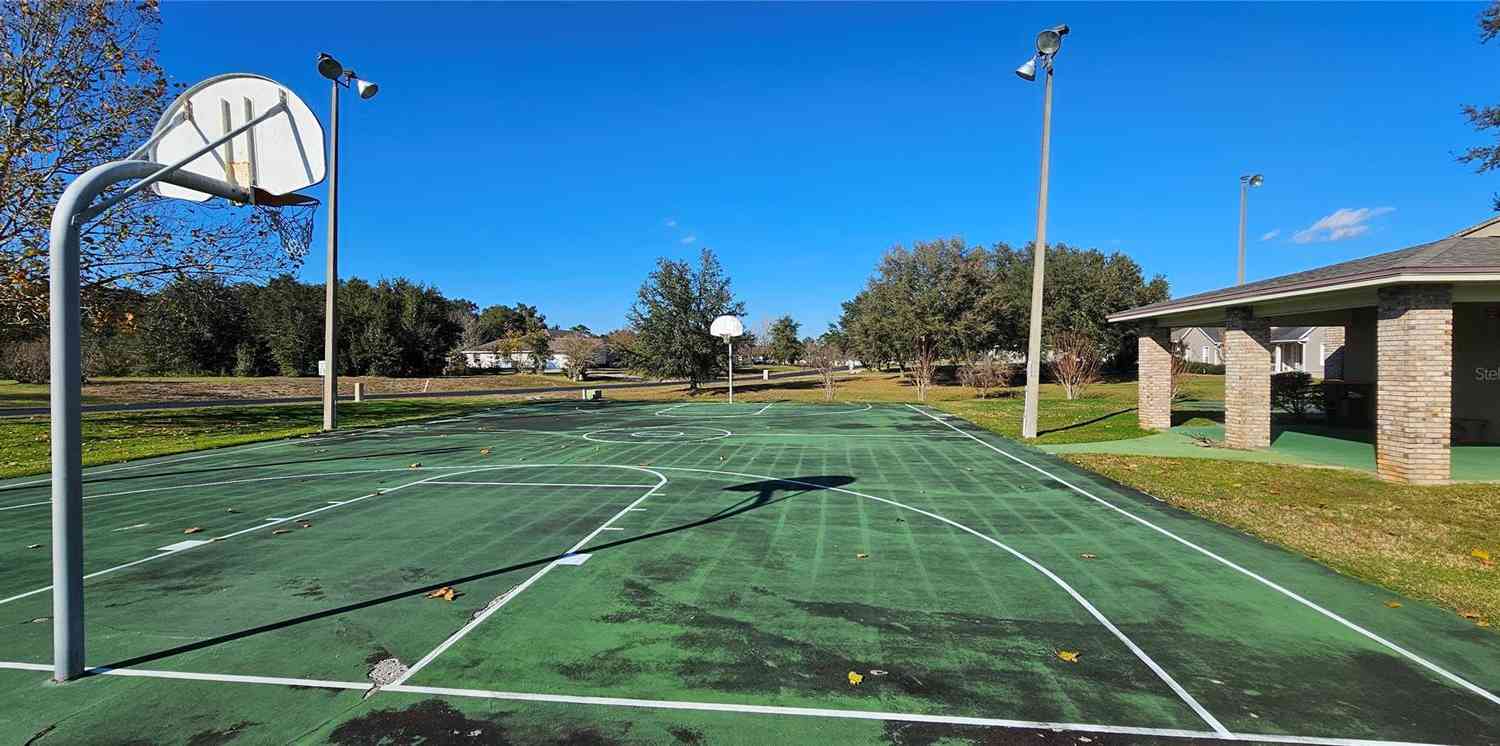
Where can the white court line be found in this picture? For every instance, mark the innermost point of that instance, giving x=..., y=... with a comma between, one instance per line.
x=264, y=524
x=224, y=451
x=96, y=472
x=1089, y=607
x=667, y=704
x=267, y=522
x=518, y=590
x=247, y=480
x=763, y=409
x=547, y=484
x=674, y=406
x=1455, y=678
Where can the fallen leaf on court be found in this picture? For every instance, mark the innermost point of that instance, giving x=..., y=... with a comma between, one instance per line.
x=484, y=451
x=1393, y=604
x=192, y=530
x=417, y=465
x=855, y=678
x=878, y=672
x=280, y=531
x=1086, y=555
x=1070, y=656
x=1480, y=554
x=34, y=546
x=230, y=510
x=1469, y=614
x=861, y=555
x=305, y=524
x=447, y=593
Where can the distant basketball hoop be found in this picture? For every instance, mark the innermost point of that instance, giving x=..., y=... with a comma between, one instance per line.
x=728, y=327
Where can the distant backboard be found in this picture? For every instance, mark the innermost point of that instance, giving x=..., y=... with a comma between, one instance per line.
x=278, y=156
x=727, y=326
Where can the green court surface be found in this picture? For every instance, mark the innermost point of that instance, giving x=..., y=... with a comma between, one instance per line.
x=700, y=573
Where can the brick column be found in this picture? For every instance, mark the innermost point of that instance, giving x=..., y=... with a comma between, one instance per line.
x=1154, y=379
x=1414, y=383
x=1333, y=342
x=1247, y=379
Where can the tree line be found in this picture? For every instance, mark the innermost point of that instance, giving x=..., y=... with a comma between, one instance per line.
x=945, y=300
x=207, y=326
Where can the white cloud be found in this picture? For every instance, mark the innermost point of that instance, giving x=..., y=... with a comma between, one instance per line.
x=1268, y=235
x=689, y=238
x=1345, y=222
x=671, y=223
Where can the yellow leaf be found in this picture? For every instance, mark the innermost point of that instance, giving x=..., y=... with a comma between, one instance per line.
x=861, y=555
x=1086, y=555
x=1480, y=554
x=447, y=593
x=1393, y=604
x=417, y=465
x=484, y=451
x=1070, y=656
x=192, y=530
x=855, y=678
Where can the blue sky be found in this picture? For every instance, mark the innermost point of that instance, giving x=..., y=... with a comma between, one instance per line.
x=549, y=153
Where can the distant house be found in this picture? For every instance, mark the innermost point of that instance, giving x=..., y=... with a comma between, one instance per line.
x=1318, y=350
x=491, y=354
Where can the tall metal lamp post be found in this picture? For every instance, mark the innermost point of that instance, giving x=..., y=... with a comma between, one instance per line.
x=1247, y=181
x=330, y=68
x=1048, y=42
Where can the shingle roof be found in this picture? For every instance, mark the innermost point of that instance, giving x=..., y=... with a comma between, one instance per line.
x=1453, y=255
x=1289, y=333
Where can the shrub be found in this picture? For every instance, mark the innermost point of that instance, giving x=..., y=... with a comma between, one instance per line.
x=985, y=376
x=1295, y=392
x=1075, y=361
x=1205, y=368
x=27, y=362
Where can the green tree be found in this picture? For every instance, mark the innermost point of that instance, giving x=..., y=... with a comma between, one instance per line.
x=287, y=316
x=671, y=318
x=499, y=321
x=80, y=86
x=785, y=346
x=194, y=326
x=1485, y=157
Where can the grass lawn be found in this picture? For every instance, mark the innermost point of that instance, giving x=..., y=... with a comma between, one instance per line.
x=1106, y=411
x=110, y=438
x=124, y=390
x=1419, y=541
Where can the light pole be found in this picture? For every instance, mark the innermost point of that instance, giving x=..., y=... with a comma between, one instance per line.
x=1247, y=181
x=330, y=68
x=1048, y=42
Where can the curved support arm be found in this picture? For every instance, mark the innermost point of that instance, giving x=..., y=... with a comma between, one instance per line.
x=66, y=390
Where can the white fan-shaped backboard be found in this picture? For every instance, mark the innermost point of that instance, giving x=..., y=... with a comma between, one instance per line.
x=280, y=155
x=727, y=326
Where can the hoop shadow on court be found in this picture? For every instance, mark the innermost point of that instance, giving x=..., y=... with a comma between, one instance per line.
x=759, y=495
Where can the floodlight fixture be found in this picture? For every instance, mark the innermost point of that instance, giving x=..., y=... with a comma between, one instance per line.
x=329, y=67
x=1027, y=71
x=366, y=88
x=1050, y=40
x=1254, y=180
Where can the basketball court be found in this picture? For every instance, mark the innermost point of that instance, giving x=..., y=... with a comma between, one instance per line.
x=601, y=572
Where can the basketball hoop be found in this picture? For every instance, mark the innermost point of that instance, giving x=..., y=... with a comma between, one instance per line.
x=289, y=216
x=240, y=137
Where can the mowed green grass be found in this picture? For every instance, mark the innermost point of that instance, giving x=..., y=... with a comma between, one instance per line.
x=123, y=436
x=1433, y=542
